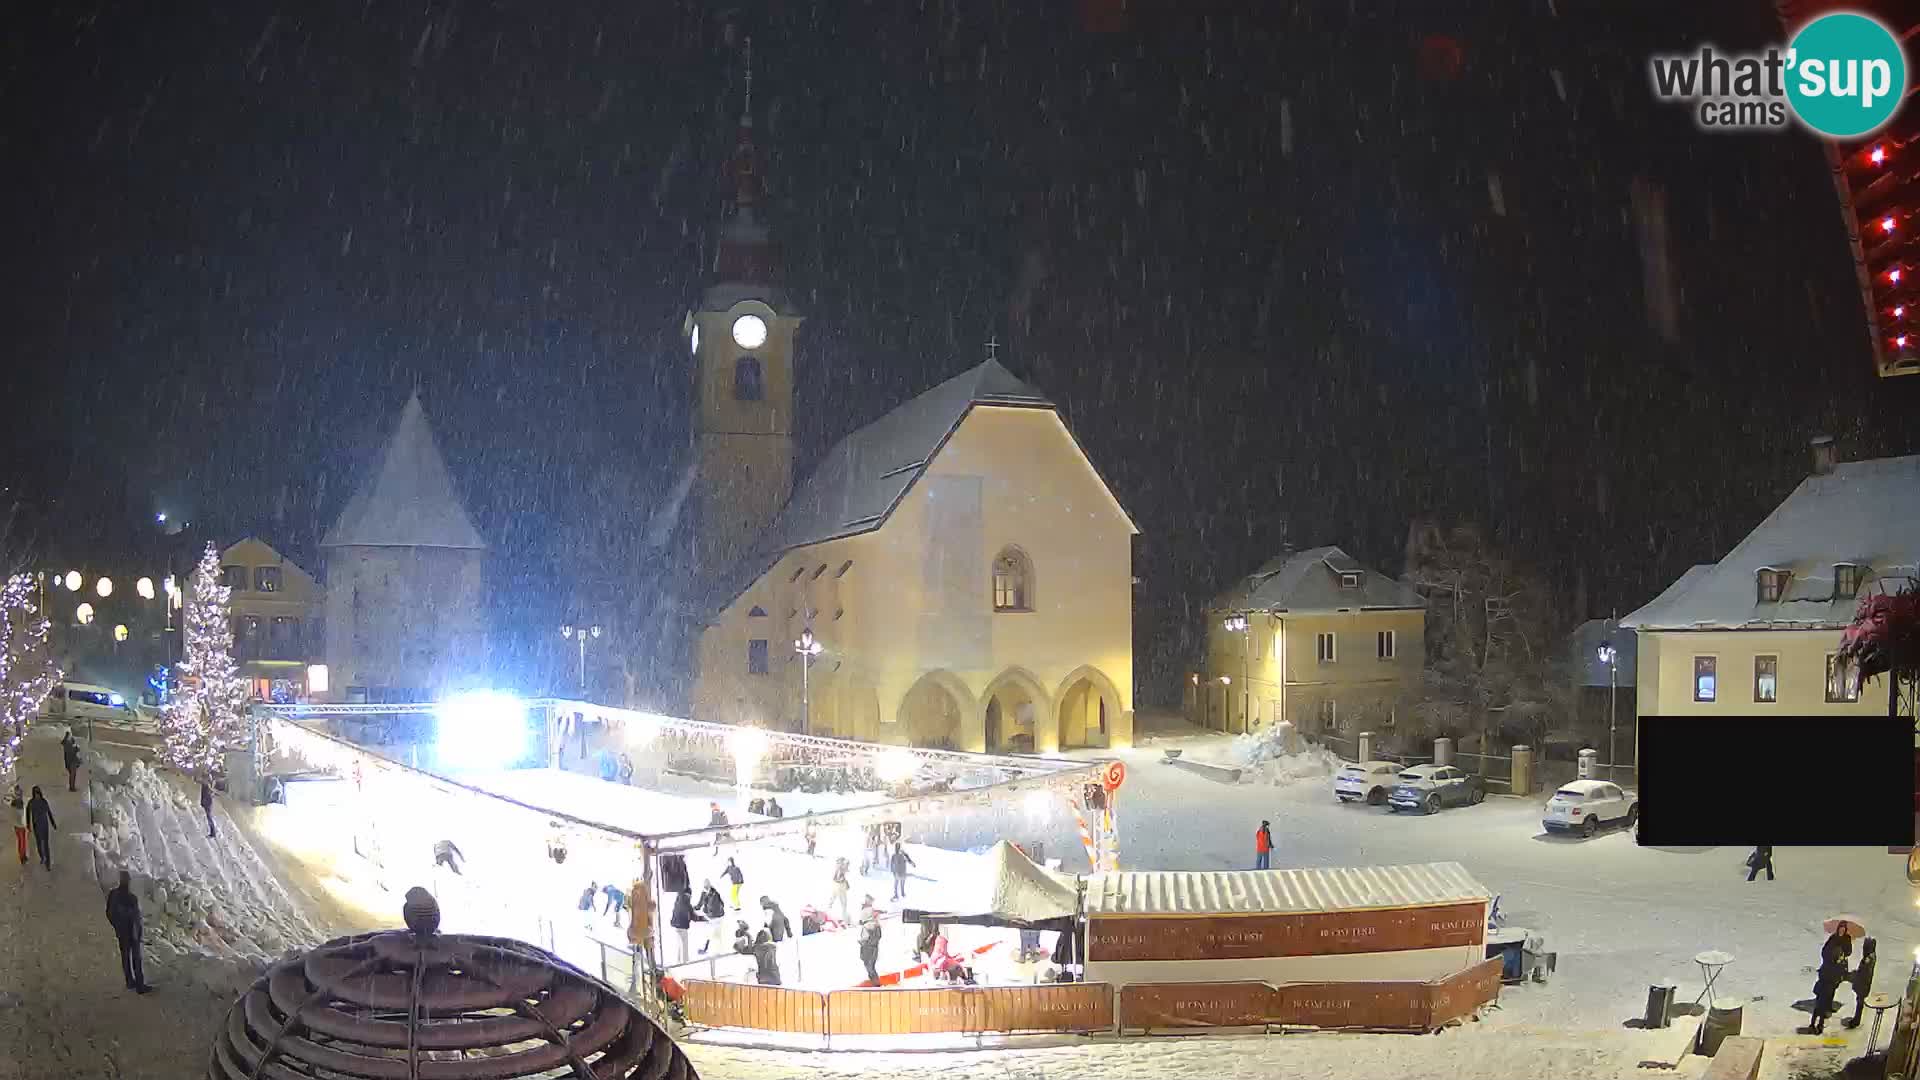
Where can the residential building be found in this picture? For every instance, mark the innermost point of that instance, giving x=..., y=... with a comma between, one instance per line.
x=1314, y=639
x=1757, y=632
x=275, y=607
x=404, y=564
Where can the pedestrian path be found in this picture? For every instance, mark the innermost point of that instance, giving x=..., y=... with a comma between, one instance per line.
x=64, y=1009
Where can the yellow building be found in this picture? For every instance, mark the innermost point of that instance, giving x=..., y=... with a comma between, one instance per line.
x=275, y=609
x=965, y=572
x=1314, y=639
x=1757, y=631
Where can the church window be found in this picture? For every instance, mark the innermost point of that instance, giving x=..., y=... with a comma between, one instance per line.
x=757, y=656
x=1012, y=581
x=746, y=380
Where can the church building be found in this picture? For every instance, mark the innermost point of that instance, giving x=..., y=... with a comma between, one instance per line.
x=953, y=574
x=403, y=568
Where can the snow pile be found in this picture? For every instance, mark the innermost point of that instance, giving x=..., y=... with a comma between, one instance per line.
x=1267, y=758
x=212, y=897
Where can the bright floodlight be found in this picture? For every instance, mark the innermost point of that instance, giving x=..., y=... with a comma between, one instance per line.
x=1038, y=803
x=104, y=588
x=83, y=614
x=73, y=581
x=481, y=730
x=896, y=766
x=161, y=517
x=316, y=678
x=144, y=587
x=749, y=745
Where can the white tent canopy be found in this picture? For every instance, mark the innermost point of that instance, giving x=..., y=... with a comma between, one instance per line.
x=1009, y=887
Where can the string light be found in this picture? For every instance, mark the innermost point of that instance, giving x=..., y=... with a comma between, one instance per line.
x=27, y=671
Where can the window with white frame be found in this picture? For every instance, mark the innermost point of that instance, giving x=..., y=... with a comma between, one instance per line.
x=1383, y=644
x=1766, y=678
x=1325, y=647
x=1843, y=681
x=1706, y=678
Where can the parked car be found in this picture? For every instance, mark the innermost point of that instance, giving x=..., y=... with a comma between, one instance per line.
x=1364, y=781
x=85, y=703
x=1587, y=806
x=1430, y=787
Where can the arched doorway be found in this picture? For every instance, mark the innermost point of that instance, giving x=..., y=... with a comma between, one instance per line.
x=1016, y=705
x=930, y=714
x=1089, y=709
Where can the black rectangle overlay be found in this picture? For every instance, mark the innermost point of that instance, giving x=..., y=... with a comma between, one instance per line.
x=1821, y=781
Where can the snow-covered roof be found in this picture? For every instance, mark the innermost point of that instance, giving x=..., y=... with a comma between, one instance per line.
x=409, y=499
x=1309, y=581
x=856, y=486
x=1246, y=892
x=1864, y=513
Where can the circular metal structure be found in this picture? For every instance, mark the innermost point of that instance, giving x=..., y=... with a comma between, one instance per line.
x=416, y=1004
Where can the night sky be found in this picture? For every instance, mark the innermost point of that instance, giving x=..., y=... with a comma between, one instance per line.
x=1294, y=276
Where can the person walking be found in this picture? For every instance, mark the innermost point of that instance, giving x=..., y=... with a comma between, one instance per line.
x=18, y=802
x=445, y=853
x=616, y=901
x=40, y=820
x=123, y=914
x=841, y=889
x=1761, y=859
x=811, y=837
x=1263, y=846
x=732, y=874
x=682, y=919
x=1863, y=979
x=900, y=861
x=870, y=939
x=1832, y=972
x=206, y=805
x=70, y=752
x=626, y=769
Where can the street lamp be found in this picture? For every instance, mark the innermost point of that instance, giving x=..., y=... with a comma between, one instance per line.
x=72, y=581
x=104, y=587
x=1611, y=657
x=144, y=587
x=581, y=634
x=806, y=648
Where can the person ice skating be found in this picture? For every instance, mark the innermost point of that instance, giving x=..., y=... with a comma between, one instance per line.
x=777, y=922
x=206, y=805
x=1862, y=979
x=626, y=769
x=18, y=802
x=586, y=903
x=732, y=874
x=841, y=889
x=448, y=854
x=757, y=806
x=742, y=938
x=811, y=838
x=773, y=809
x=766, y=960
x=40, y=820
x=943, y=963
x=714, y=910
x=70, y=752
x=923, y=945
x=718, y=816
x=1262, y=846
x=1761, y=859
x=682, y=919
x=123, y=914
x=616, y=901
x=900, y=861
x=870, y=939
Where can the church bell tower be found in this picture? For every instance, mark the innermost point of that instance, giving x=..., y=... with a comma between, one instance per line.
x=741, y=337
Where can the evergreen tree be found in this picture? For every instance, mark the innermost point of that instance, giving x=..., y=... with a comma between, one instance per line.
x=207, y=715
x=27, y=672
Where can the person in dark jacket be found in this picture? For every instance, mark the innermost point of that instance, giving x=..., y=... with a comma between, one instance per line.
x=777, y=922
x=682, y=919
x=773, y=809
x=1863, y=979
x=870, y=939
x=1761, y=859
x=1827, y=981
x=923, y=945
x=742, y=938
x=123, y=914
x=736, y=879
x=40, y=821
x=713, y=909
x=757, y=806
x=70, y=751
x=765, y=959
x=900, y=861
x=206, y=805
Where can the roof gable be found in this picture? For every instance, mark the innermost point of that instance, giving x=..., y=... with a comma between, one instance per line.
x=258, y=552
x=409, y=499
x=1309, y=581
x=1865, y=512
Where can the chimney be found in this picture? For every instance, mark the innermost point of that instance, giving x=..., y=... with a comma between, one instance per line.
x=1825, y=456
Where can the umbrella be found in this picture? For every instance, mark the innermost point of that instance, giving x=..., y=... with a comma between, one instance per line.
x=1850, y=925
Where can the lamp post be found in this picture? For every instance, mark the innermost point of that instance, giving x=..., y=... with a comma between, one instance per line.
x=1610, y=657
x=581, y=634
x=806, y=648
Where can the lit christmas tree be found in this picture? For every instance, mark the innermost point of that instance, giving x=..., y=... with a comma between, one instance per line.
x=26, y=667
x=207, y=715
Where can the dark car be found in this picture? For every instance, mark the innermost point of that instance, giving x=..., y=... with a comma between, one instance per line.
x=1430, y=787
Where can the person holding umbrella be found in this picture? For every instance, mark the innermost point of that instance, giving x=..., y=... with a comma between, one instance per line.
x=1841, y=930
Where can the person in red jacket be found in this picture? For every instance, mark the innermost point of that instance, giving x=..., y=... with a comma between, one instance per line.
x=1262, y=846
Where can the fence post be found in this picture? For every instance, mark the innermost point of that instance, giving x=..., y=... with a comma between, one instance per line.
x=1443, y=751
x=1364, y=751
x=1522, y=775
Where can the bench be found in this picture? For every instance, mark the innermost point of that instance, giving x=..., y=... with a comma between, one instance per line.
x=1738, y=1059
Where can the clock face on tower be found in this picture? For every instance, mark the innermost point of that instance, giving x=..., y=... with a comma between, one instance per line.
x=749, y=332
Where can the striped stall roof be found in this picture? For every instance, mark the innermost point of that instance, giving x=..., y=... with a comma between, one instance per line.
x=1245, y=892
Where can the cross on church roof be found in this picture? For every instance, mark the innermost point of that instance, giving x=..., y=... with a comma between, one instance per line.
x=993, y=347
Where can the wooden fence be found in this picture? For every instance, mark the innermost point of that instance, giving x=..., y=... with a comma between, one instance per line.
x=1093, y=1007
